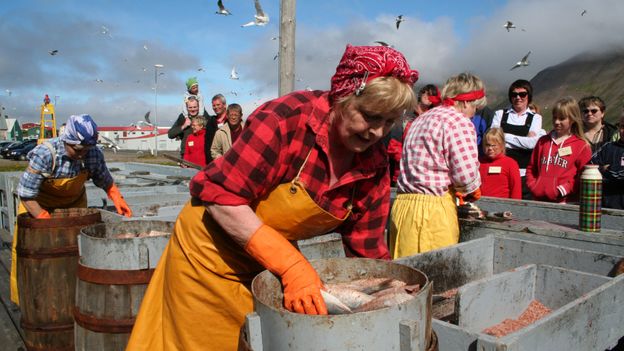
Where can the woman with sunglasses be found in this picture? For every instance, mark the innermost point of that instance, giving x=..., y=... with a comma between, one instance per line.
x=306, y=164
x=56, y=174
x=597, y=130
x=522, y=127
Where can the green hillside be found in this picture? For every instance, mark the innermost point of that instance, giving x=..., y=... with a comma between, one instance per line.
x=580, y=76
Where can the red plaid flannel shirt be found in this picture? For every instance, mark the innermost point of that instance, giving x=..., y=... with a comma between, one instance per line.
x=271, y=149
x=440, y=151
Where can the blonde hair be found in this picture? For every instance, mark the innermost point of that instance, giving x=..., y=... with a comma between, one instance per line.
x=461, y=84
x=382, y=95
x=567, y=107
x=494, y=134
x=534, y=107
x=200, y=120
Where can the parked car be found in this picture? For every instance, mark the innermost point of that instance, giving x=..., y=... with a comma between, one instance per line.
x=21, y=152
x=5, y=143
x=6, y=150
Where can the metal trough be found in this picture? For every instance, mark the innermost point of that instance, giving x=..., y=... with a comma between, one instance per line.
x=495, y=282
x=405, y=326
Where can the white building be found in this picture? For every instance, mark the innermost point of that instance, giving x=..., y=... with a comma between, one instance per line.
x=140, y=137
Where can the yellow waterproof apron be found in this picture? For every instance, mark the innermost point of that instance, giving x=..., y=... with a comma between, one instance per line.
x=53, y=194
x=200, y=292
x=421, y=223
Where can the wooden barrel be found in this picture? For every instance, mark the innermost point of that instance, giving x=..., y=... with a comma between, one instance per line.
x=47, y=258
x=117, y=261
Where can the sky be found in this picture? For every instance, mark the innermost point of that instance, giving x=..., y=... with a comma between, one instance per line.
x=107, y=49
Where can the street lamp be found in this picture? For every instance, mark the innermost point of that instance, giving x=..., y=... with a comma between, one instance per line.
x=156, y=67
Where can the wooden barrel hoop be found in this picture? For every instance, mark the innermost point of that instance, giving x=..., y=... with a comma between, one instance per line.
x=46, y=327
x=30, y=347
x=103, y=325
x=41, y=253
x=114, y=276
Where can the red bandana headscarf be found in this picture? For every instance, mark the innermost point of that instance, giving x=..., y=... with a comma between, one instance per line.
x=361, y=64
x=469, y=96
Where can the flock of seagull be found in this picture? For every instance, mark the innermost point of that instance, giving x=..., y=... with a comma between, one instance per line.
x=262, y=19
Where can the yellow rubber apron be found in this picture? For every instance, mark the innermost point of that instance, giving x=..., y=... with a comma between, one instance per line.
x=421, y=223
x=200, y=292
x=53, y=194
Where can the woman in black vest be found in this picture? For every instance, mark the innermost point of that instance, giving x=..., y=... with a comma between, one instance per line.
x=522, y=127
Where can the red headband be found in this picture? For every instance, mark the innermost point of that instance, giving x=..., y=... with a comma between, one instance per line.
x=435, y=99
x=469, y=96
x=361, y=64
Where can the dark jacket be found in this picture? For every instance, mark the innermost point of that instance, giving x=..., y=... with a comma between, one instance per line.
x=609, y=132
x=611, y=154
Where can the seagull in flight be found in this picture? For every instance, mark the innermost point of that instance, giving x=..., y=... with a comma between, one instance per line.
x=583, y=12
x=234, y=74
x=53, y=52
x=9, y=92
x=105, y=31
x=398, y=21
x=382, y=43
x=523, y=62
x=509, y=25
x=261, y=19
x=222, y=10
x=200, y=69
x=98, y=80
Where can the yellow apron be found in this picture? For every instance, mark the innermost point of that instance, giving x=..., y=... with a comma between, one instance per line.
x=421, y=223
x=53, y=194
x=200, y=292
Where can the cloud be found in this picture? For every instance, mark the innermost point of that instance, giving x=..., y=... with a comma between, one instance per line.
x=438, y=47
x=93, y=71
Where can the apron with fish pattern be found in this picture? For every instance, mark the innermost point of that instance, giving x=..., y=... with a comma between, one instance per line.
x=200, y=292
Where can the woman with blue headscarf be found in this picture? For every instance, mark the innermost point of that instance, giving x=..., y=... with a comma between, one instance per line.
x=56, y=174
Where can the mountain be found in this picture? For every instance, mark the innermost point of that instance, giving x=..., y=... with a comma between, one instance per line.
x=582, y=75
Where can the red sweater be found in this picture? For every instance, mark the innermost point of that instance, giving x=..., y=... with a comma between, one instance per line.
x=500, y=177
x=194, y=148
x=554, y=170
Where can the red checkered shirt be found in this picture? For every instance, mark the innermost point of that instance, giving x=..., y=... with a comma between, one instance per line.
x=271, y=149
x=440, y=151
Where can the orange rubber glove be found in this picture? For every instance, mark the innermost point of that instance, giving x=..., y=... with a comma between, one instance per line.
x=120, y=204
x=473, y=196
x=302, y=285
x=43, y=214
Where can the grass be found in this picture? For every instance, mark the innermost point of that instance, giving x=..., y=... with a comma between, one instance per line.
x=14, y=168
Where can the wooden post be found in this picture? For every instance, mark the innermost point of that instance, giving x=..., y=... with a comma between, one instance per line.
x=286, y=58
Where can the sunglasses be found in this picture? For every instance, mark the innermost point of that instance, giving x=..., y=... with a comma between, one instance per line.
x=521, y=94
x=593, y=111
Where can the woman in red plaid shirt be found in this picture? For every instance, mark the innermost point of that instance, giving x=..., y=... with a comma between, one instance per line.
x=306, y=164
x=440, y=158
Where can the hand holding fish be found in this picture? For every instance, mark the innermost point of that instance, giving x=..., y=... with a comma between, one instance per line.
x=302, y=285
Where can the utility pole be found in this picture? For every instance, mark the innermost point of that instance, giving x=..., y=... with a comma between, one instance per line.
x=287, y=47
x=155, y=126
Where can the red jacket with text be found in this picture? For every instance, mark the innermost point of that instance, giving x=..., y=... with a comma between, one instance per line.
x=500, y=177
x=554, y=171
